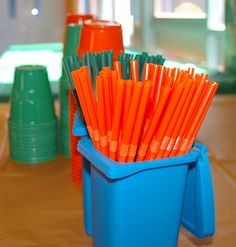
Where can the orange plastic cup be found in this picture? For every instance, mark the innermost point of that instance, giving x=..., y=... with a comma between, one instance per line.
x=77, y=18
x=100, y=35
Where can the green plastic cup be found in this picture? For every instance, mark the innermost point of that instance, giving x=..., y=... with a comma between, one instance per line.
x=40, y=131
x=34, y=159
x=33, y=127
x=31, y=97
x=33, y=141
x=29, y=151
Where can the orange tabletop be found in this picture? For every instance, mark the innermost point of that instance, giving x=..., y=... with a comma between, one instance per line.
x=40, y=206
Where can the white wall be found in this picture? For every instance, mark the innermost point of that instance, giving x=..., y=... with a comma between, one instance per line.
x=25, y=28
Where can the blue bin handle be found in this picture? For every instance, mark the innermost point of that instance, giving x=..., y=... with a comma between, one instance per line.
x=79, y=128
x=198, y=214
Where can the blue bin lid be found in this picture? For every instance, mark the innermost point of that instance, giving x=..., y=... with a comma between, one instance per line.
x=198, y=214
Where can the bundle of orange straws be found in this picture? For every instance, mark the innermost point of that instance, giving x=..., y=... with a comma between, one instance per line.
x=131, y=120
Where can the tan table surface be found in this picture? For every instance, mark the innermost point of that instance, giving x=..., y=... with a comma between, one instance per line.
x=40, y=206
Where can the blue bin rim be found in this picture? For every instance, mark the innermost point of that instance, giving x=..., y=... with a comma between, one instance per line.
x=117, y=170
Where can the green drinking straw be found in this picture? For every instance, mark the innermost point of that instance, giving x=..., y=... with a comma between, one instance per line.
x=72, y=63
x=138, y=58
x=151, y=59
x=103, y=59
x=124, y=66
x=110, y=59
x=95, y=64
x=87, y=62
x=142, y=58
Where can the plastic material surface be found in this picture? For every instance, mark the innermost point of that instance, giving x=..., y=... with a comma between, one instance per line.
x=31, y=97
x=138, y=204
x=98, y=35
x=79, y=128
x=32, y=124
x=77, y=18
x=198, y=214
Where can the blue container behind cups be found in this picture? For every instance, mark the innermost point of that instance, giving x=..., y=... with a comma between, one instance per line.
x=144, y=203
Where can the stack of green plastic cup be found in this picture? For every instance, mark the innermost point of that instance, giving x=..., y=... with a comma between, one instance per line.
x=71, y=45
x=32, y=123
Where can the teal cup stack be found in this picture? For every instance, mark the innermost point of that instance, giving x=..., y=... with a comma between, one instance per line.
x=70, y=48
x=32, y=124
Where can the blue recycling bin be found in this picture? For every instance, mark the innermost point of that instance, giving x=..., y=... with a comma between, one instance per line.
x=144, y=203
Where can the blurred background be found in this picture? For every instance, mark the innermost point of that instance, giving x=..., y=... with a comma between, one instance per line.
x=197, y=32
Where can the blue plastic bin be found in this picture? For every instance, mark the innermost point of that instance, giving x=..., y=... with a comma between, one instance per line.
x=143, y=203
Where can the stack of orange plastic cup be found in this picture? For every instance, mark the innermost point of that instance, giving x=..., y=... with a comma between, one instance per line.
x=100, y=35
x=77, y=18
x=76, y=158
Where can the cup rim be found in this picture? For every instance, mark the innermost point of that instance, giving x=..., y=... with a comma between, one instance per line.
x=31, y=67
x=101, y=24
x=81, y=18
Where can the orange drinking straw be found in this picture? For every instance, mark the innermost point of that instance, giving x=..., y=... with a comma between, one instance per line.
x=146, y=71
x=114, y=79
x=134, y=70
x=128, y=94
x=76, y=79
x=154, y=74
x=160, y=132
x=175, y=131
x=183, y=78
x=201, y=120
x=150, y=108
x=158, y=84
x=107, y=69
x=129, y=125
x=158, y=81
x=176, y=73
x=108, y=104
x=85, y=70
x=86, y=84
x=200, y=87
x=173, y=72
x=151, y=72
x=139, y=122
x=192, y=72
x=154, y=120
x=113, y=147
x=193, y=124
x=178, y=76
x=166, y=75
x=101, y=115
x=117, y=68
x=167, y=141
x=90, y=98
